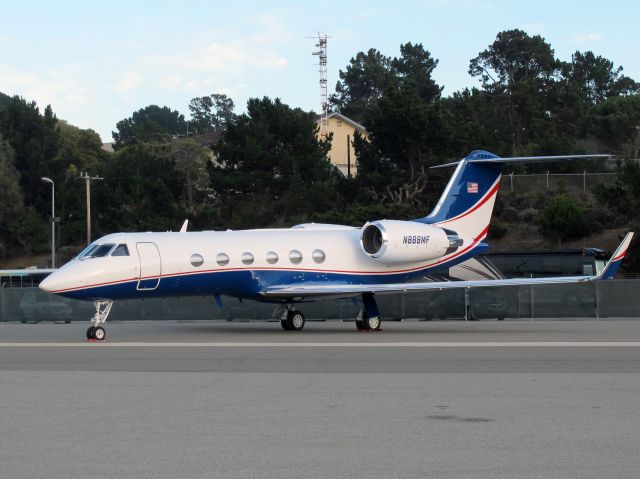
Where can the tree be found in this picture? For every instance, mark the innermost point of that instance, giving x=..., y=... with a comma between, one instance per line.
x=415, y=65
x=270, y=167
x=363, y=83
x=211, y=113
x=143, y=192
x=79, y=151
x=147, y=124
x=10, y=194
x=562, y=219
x=616, y=123
x=35, y=140
x=521, y=70
x=597, y=78
x=407, y=135
x=370, y=75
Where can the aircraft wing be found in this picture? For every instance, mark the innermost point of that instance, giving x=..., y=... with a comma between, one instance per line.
x=340, y=290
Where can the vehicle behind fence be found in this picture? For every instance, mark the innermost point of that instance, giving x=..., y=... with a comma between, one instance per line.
x=597, y=300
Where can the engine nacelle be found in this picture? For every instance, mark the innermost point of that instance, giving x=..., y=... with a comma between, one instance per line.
x=392, y=241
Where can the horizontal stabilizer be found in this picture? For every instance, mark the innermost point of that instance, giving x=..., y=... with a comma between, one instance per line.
x=522, y=159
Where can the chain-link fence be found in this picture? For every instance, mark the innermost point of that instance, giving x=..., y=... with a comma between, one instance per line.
x=555, y=182
x=597, y=300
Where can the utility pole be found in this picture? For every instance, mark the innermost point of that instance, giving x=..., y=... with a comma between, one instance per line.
x=87, y=181
x=53, y=220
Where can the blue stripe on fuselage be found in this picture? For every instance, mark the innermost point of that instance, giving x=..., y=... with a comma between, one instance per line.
x=249, y=283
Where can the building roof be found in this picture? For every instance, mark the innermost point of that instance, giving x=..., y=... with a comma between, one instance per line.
x=354, y=124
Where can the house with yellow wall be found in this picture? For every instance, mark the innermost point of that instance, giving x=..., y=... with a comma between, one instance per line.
x=342, y=153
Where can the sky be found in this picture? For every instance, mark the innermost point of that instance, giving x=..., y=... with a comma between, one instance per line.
x=98, y=62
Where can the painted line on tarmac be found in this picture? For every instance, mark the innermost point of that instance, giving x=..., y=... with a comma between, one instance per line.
x=475, y=344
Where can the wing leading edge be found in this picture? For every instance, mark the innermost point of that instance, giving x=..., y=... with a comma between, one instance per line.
x=324, y=290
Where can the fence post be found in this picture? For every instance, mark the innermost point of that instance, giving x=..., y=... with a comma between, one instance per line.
x=547, y=180
x=584, y=181
x=466, y=304
x=531, y=300
x=511, y=176
x=597, y=302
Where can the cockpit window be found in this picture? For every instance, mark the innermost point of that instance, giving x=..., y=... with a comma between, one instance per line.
x=99, y=252
x=121, y=250
x=87, y=250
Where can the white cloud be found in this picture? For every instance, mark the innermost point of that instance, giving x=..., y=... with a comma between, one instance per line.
x=209, y=60
x=130, y=81
x=588, y=37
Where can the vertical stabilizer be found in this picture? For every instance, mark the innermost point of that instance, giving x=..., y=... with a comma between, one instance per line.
x=467, y=202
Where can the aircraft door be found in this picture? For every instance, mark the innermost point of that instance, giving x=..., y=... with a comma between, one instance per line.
x=150, y=266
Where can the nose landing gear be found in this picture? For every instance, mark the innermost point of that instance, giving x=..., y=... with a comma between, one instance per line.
x=96, y=331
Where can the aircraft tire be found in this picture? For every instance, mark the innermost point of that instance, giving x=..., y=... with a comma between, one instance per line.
x=295, y=320
x=374, y=323
x=99, y=333
x=285, y=325
x=90, y=332
x=360, y=326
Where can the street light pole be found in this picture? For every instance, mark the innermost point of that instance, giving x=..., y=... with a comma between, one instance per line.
x=53, y=220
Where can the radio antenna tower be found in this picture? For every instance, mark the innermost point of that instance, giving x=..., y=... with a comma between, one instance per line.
x=324, y=103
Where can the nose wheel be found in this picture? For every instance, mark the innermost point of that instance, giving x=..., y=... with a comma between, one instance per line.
x=96, y=332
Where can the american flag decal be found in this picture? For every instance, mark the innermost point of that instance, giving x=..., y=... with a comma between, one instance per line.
x=472, y=187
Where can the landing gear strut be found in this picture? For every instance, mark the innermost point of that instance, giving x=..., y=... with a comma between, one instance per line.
x=96, y=331
x=368, y=318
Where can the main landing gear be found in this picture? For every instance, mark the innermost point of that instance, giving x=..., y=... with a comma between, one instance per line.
x=96, y=331
x=368, y=318
x=292, y=320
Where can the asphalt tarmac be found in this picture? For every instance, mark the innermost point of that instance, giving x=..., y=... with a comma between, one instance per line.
x=234, y=400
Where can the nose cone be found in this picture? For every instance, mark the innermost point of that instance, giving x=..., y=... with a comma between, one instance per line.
x=51, y=283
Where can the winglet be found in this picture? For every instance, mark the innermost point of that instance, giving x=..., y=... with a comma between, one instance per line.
x=613, y=264
x=184, y=226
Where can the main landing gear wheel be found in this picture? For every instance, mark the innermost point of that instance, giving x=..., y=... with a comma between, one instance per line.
x=368, y=318
x=293, y=322
x=366, y=323
x=372, y=323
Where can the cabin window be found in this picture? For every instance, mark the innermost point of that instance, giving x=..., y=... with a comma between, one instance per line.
x=100, y=251
x=222, y=259
x=247, y=258
x=272, y=257
x=295, y=256
x=121, y=250
x=196, y=259
x=318, y=255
